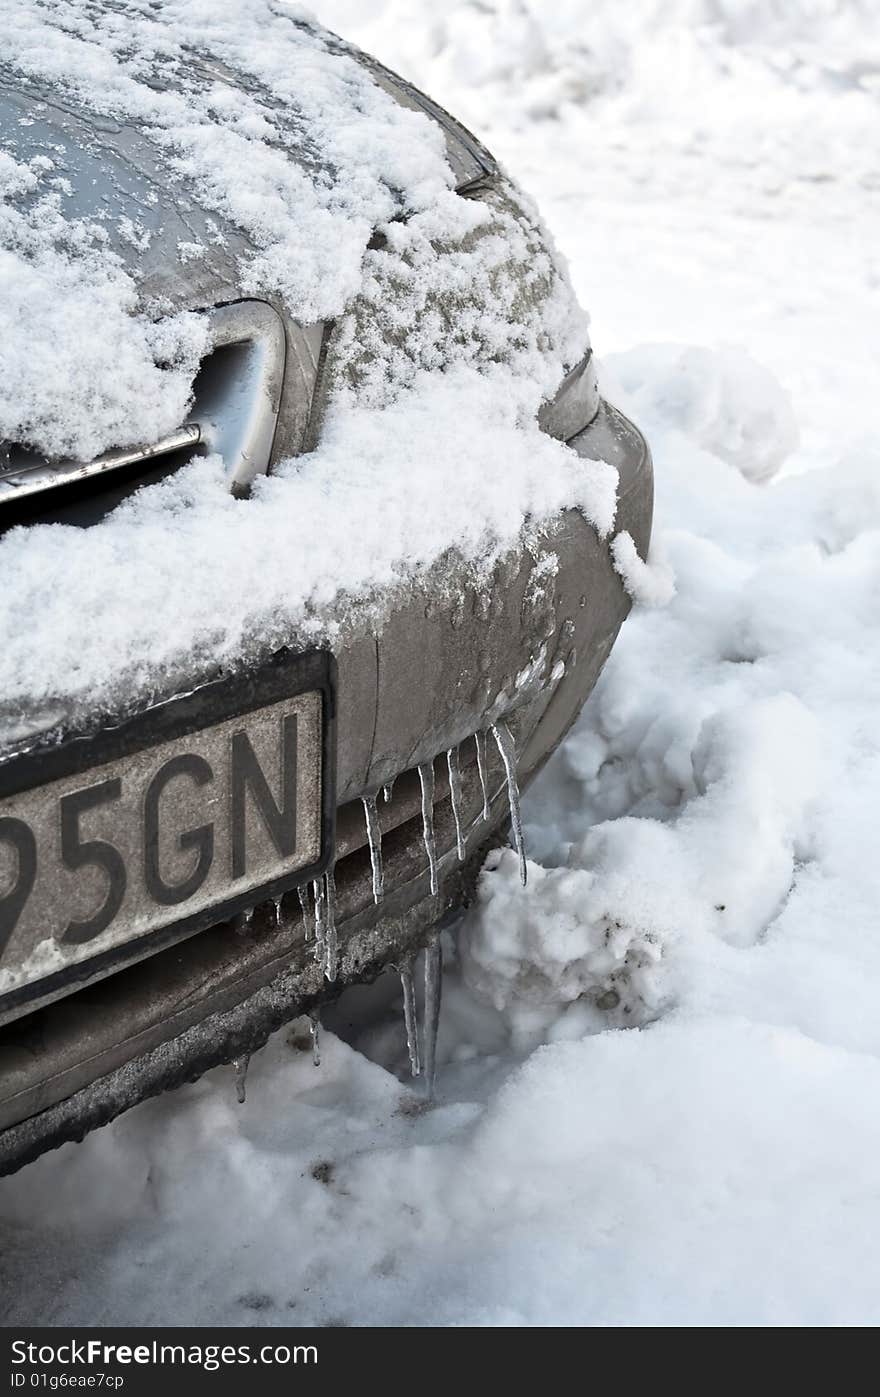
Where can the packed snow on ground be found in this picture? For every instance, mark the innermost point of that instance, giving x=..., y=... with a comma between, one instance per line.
x=660, y=1060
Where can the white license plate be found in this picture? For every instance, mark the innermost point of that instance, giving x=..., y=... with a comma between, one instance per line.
x=116, y=845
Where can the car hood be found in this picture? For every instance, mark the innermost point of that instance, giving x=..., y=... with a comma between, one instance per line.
x=105, y=170
x=152, y=165
x=185, y=253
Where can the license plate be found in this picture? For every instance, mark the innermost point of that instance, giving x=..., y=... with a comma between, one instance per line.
x=115, y=845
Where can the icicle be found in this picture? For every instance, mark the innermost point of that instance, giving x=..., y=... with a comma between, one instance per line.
x=426, y=777
x=247, y=916
x=330, y=942
x=318, y=898
x=433, y=992
x=502, y=734
x=386, y=791
x=308, y=929
x=240, y=1067
x=409, y=1017
x=374, y=835
x=480, y=740
x=315, y=1030
x=455, y=797
x=277, y=911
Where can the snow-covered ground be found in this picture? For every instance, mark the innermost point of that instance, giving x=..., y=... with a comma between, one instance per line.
x=661, y=1060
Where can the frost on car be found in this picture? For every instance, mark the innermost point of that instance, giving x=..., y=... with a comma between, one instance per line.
x=308, y=501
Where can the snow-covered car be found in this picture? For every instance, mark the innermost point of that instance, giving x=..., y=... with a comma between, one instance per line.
x=308, y=500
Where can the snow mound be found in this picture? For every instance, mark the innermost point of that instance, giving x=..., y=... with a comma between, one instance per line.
x=614, y=924
x=721, y=399
x=661, y=1176
x=669, y=78
x=531, y=952
x=708, y=1172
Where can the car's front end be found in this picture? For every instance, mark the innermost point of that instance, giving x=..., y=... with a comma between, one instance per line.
x=226, y=794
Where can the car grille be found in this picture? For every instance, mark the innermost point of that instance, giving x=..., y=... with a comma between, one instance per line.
x=236, y=401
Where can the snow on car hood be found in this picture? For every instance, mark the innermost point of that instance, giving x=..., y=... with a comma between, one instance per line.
x=284, y=137
x=287, y=141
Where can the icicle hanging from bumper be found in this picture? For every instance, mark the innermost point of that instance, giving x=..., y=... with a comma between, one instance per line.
x=331, y=950
x=503, y=737
x=318, y=899
x=326, y=950
x=426, y=778
x=240, y=1067
x=374, y=837
x=480, y=741
x=433, y=993
x=455, y=797
x=308, y=926
x=409, y=1017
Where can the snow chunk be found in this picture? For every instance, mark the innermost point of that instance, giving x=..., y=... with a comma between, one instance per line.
x=720, y=398
x=533, y=951
x=686, y=831
x=650, y=583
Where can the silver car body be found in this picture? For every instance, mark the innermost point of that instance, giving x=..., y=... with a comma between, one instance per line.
x=449, y=661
